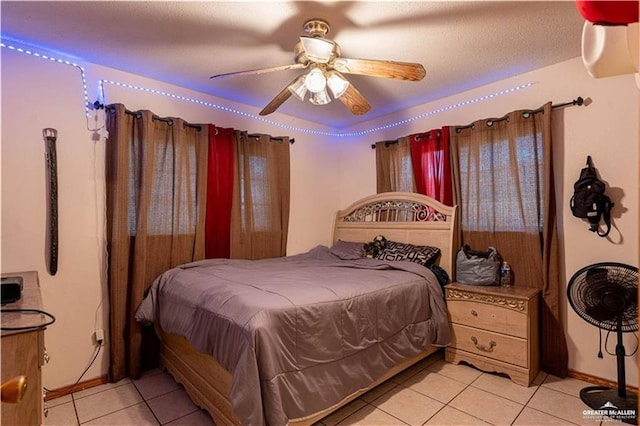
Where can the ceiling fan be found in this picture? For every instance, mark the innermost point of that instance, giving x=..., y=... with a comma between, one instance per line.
x=321, y=57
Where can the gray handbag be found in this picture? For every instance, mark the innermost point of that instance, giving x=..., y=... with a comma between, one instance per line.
x=478, y=267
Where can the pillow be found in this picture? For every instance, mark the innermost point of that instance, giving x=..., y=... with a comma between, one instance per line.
x=424, y=255
x=348, y=250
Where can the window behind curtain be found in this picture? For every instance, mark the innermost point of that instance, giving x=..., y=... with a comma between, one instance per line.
x=172, y=179
x=394, y=171
x=254, y=186
x=500, y=183
x=260, y=212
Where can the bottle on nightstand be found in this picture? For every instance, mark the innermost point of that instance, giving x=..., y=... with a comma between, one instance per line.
x=506, y=279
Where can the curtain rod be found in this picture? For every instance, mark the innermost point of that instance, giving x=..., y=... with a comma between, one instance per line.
x=526, y=114
x=281, y=138
x=98, y=105
x=386, y=143
x=421, y=135
x=578, y=101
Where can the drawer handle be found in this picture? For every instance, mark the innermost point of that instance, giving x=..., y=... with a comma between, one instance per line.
x=474, y=313
x=13, y=389
x=483, y=348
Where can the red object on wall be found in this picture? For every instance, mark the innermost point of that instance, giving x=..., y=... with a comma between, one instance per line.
x=608, y=12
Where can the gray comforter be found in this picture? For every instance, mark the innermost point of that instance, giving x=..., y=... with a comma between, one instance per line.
x=300, y=333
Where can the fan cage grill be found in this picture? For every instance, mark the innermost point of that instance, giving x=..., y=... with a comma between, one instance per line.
x=606, y=295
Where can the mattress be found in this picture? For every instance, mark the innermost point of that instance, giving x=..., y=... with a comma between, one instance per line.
x=300, y=333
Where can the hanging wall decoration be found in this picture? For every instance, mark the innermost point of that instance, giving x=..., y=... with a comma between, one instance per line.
x=51, y=244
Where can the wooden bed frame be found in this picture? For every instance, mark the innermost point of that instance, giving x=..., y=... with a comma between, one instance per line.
x=403, y=217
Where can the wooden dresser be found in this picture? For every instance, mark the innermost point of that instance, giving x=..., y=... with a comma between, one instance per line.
x=495, y=329
x=23, y=353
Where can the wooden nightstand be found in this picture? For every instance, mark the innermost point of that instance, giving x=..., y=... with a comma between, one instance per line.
x=495, y=329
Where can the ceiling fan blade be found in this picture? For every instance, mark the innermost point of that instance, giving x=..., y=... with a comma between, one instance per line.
x=354, y=100
x=260, y=71
x=375, y=68
x=278, y=100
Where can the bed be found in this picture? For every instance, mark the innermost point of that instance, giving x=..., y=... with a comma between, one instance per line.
x=291, y=340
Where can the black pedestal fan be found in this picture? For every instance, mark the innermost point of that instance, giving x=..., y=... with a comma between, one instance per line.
x=606, y=295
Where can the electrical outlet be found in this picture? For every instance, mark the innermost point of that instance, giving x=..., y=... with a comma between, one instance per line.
x=99, y=336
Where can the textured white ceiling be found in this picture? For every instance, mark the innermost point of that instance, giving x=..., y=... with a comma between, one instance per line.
x=462, y=44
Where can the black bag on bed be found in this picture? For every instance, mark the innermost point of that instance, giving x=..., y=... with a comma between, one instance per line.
x=478, y=267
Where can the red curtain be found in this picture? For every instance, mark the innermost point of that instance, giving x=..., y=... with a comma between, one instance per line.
x=219, y=192
x=432, y=165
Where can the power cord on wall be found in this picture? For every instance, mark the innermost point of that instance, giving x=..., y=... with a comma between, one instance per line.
x=95, y=356
x=99, y=337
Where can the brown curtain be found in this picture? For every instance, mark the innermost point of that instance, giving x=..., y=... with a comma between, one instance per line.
x=260, y=212
x=394, y=171
x=156, y=186
x=503, y=183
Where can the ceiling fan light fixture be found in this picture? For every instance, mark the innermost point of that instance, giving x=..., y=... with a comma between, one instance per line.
x=315, y=81
x=320, y=98
x=337, y=84
x=299, y=88
x=317, y=49
x=322, y=58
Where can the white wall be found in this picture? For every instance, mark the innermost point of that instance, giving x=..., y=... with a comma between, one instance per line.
x=38, y=94
x=327, y=174
x=607, y=129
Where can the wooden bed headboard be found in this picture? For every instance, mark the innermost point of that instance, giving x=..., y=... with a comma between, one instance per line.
x=404, y=217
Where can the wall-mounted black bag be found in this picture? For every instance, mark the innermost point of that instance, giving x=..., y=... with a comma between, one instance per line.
x=478, y=267
x=589, y=200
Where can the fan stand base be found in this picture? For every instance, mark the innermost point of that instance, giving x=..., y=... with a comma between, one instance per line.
x=608, y=403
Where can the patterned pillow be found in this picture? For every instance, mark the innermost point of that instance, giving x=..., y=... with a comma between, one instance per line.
x=424, y=255
x=347, y=250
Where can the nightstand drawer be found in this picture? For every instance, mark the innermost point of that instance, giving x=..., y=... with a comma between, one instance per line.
x=491, y=345
x=488, y=317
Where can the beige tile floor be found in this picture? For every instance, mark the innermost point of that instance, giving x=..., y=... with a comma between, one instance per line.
x=430, y=393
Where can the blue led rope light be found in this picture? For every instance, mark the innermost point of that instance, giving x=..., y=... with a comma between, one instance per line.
x=253, y=116
x=439, y=110
x=60, y=61
x=216, y=106
x=316, y=132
